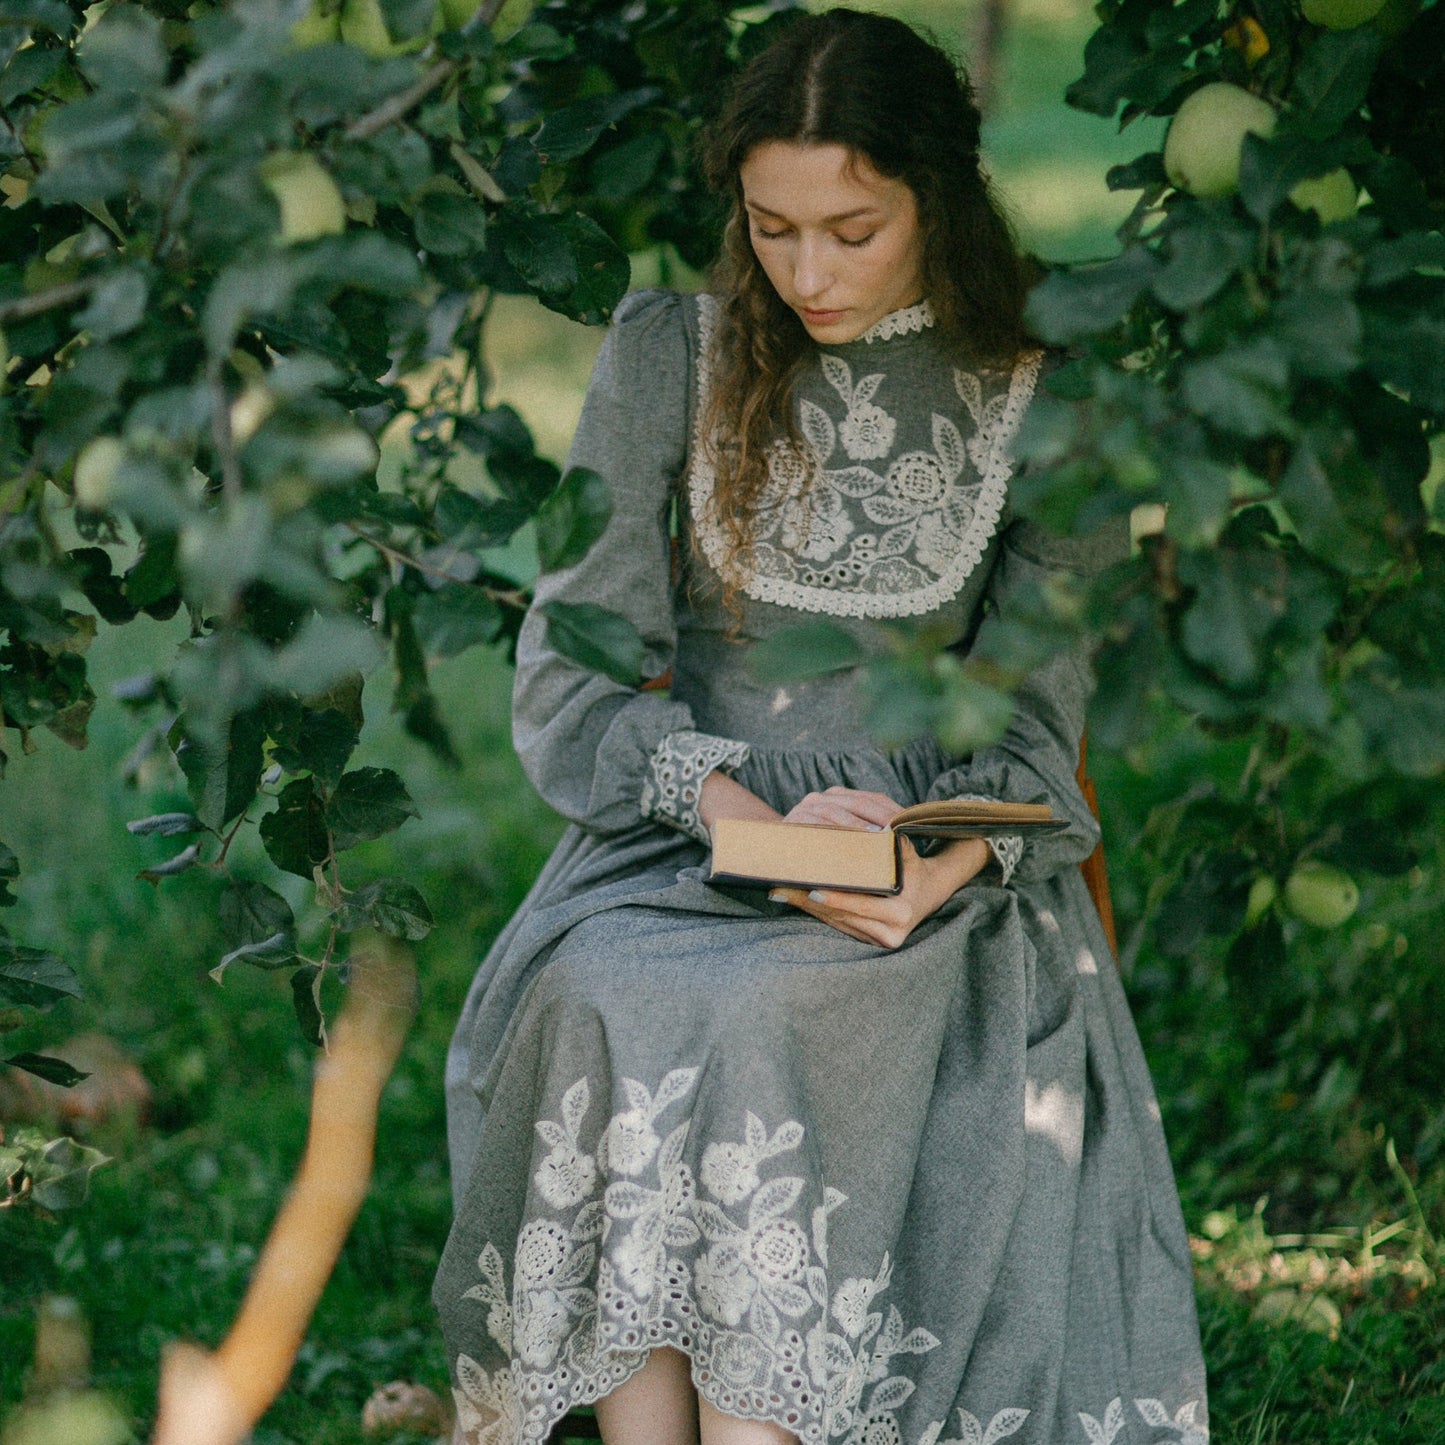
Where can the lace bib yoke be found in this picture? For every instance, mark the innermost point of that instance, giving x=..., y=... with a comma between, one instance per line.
x=885, y=510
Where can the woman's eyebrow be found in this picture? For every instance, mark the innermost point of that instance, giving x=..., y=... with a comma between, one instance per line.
x=827, y=220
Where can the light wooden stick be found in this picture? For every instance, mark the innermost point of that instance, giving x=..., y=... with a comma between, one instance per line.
x=215, y=1399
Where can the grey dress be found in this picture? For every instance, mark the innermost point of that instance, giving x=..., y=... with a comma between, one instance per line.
x=881, y=1197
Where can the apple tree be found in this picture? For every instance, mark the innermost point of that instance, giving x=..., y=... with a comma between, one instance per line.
x=1261, y=371
x=233, y=236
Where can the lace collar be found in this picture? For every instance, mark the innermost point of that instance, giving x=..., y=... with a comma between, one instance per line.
x=900, y=323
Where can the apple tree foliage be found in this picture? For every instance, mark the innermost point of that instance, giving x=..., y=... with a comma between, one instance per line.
x=233, y=238
x=1268, y=363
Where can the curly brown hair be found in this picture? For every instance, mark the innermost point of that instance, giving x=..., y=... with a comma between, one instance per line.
x=875, y=86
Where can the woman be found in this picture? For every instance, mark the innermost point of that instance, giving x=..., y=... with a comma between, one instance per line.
x=814, y=1166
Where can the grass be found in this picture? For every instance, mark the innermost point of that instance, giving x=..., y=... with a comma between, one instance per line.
x=1283, y=1162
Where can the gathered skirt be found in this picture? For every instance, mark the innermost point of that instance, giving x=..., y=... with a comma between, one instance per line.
x=880, y=1197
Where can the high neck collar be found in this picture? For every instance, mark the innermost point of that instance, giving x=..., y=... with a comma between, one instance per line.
x=900, y=323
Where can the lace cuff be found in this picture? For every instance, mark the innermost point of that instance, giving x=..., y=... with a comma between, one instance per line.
x=676, y=771
x=1007, y=852
x=1007, y=849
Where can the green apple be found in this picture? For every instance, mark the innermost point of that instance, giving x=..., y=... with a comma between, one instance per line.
x=309, y=199
x=1321, y=894
x=1262, y=893
x=95, y=470
x=249, y=410
x=320, y=24
x=1332, y=197
x=455, y=13
x=512, y=16
x=364, y=25
x=83, y=1418
x=1202, y=149
x=1340, y=14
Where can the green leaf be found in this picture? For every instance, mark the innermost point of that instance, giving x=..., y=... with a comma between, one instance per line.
x=574, y=129
x=276, y=951
x=623, y=171
x=117, y=305
x=1333, y=78
x=974, y=715
x=1205, y=250
x=1120, y=67
x=166, y=825
x=1330, y=506
x=1236, y=602
x=1068, y=305
x=52, y=1070
x=454, y=618
x=9, y=872
x=391, y=907
x=250, y=912
x=306, y=1000
x=183, y=861
x=34, y=978
x=1196, y=489
x=809, y=649
x=294, y=833
x=222, y=782
x=1321, y=331
x=1406, y=725
x=367, y=803
x=321, y=743
x=450, y=225
x=61, y=1174
x=1208, y=900
x=1242, y=390
x=539, y=247
x=572, y=519
x=1405, y=339
x=125, y=51
x=603, y=641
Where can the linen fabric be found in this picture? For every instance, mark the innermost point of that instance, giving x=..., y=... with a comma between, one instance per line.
x=882, y=1197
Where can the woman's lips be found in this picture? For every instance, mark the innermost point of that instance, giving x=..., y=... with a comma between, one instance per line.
x=820, y=318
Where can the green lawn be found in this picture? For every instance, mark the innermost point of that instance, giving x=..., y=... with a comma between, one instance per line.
x=163, y=1247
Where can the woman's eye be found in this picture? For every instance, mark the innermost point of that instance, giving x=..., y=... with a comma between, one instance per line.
x=763, y=235
x=860, y=241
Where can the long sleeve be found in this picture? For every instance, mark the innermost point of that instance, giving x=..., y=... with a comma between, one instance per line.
x=1036, y=759
x=604, y=755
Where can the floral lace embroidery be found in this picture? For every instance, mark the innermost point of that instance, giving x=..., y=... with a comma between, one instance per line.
x=972, y=1430
x=1007, y=850
x=846, y=539
x=1154, y=1412
x=730, y=1267
x=900, y=323
x=676, y=771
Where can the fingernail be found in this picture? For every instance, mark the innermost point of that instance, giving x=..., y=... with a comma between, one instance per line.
x=875, y=827
x=775, y=895
x=817, y=895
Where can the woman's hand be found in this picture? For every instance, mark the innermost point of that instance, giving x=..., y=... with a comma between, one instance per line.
x=846, y=808
x=928, y=883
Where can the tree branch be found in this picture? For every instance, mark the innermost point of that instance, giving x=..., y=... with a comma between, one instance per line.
x=22, y=308
x=391, y=110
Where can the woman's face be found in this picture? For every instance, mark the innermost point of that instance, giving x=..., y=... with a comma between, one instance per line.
x=840, y=242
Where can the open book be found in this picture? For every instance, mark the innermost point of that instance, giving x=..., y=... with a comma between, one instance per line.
x=746, y=852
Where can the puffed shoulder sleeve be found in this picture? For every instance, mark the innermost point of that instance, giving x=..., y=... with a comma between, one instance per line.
x=1036, y=760
x=605, y=755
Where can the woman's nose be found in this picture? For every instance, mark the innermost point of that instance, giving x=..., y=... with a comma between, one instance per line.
x=811, y=273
